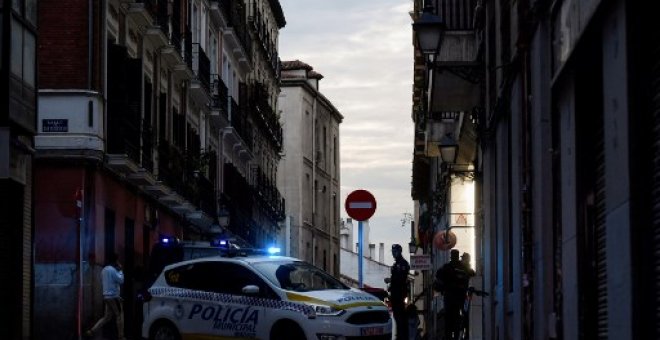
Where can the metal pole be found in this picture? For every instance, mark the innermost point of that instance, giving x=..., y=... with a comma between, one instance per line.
x=360, y=255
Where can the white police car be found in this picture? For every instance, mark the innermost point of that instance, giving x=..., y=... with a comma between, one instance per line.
x=259, y=297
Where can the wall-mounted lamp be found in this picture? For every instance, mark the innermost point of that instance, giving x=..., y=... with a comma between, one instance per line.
x=429, y=31
x=448, y=149
x=412, y=246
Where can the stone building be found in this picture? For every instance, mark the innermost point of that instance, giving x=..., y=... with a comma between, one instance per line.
x=18, y=112
x=565, y=162
x=157, y=119
x=310, y=167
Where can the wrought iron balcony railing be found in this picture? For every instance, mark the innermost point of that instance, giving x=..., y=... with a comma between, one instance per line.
x=219, y=95
x=457, y=14
x=238, y=190
x=147, y=146
x=151, y=6
x=265, y=115
x=124, y=103
x=268, y=195
x=238, y=120
x=187, y=48
x=201, y=65
x=238, y=17
x=171, y=166
x=175, y=35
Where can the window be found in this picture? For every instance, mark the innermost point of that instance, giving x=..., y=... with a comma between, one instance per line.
x=298, y=276
x=195, y=24
x=26, y=9
x=23, y=53
x=214, y=55
x=212, y=277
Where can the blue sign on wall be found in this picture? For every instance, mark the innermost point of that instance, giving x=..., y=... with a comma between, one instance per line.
x=55, y=125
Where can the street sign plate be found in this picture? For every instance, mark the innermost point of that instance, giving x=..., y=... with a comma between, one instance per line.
x=360, y=205
x=420, y=262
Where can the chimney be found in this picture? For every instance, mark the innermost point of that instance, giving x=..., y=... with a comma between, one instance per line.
x=381, y=252
x=372, y=251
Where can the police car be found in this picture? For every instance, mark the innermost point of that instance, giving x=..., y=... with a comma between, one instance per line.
x=241, y=295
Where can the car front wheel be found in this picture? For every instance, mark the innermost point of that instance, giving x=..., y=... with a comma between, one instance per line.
x=164, y=330
x=287, y=330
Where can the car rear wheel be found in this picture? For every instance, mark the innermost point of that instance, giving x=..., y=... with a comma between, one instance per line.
x=164, y=330
x=287, y=330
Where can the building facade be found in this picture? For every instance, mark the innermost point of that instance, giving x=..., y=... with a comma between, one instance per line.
x=310, y=168
x=18, y=103
x=566, y=191
x=157, y=120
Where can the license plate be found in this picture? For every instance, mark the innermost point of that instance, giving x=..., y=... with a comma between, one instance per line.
x=367, y=331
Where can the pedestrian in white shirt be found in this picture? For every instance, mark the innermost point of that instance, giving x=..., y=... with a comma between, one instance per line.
x=111, y=277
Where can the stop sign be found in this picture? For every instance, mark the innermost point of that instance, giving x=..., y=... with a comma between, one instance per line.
x=360, y=205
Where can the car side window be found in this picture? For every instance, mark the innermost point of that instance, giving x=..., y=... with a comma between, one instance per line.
x=236, y=277
x=217, y=277
x=182, y=276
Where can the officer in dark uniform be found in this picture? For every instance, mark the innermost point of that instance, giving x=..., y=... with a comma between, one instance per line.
x=398, y=292
x=452, y=281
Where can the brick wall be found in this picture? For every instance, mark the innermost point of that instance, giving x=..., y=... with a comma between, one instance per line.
x=63, y=45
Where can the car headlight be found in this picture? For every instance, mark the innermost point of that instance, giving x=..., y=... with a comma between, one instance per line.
x=325, y=310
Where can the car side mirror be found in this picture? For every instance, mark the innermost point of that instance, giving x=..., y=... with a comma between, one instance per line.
x=250, y=290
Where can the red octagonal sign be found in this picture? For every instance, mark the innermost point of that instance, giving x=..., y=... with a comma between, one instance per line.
x=360, y=205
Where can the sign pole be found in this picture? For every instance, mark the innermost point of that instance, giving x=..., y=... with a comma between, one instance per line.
x=360, y=255
x=360, y=205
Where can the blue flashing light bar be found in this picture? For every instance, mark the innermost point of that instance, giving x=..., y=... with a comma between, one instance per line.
x=221, y=243
x=167, y=240
x=274, y=250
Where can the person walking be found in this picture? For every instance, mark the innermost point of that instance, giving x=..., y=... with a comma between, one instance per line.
x=398, y=292
x=112, y=278
x=452, y=281
x=465, y=259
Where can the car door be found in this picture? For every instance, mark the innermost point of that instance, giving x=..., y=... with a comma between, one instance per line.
x=248, y=315
x=194, y=301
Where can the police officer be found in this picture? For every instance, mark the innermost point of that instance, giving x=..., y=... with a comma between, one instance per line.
x=453, y=279
x=398, y=292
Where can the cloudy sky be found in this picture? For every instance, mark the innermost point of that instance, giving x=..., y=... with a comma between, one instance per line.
x=363, y=48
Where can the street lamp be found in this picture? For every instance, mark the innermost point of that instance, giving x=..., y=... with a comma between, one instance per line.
x=412, y=246
x=448, y=149
x=429, y=30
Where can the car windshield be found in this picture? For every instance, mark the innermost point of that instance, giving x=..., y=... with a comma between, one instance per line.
x=297, y=276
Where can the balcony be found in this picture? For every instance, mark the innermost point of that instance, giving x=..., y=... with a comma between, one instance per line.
x=265, y=116
x=200, y=85
x=171, y=167
x=143, y=12
x=236, y=35
x=268, y=196
x=123, y=144
x=123, y=134
x=238, y=196
x=219, y=102
x=238, y=133
x=219, y=10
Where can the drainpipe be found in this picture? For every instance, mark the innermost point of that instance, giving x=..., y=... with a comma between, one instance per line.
x=314, y=107
x=90, y=41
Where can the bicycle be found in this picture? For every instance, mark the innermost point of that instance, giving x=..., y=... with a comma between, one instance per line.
x=464, y=328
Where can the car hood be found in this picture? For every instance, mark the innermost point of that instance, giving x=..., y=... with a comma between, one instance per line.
x=337, y=298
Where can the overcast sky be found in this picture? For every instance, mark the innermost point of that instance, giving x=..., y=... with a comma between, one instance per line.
x=363, y=48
